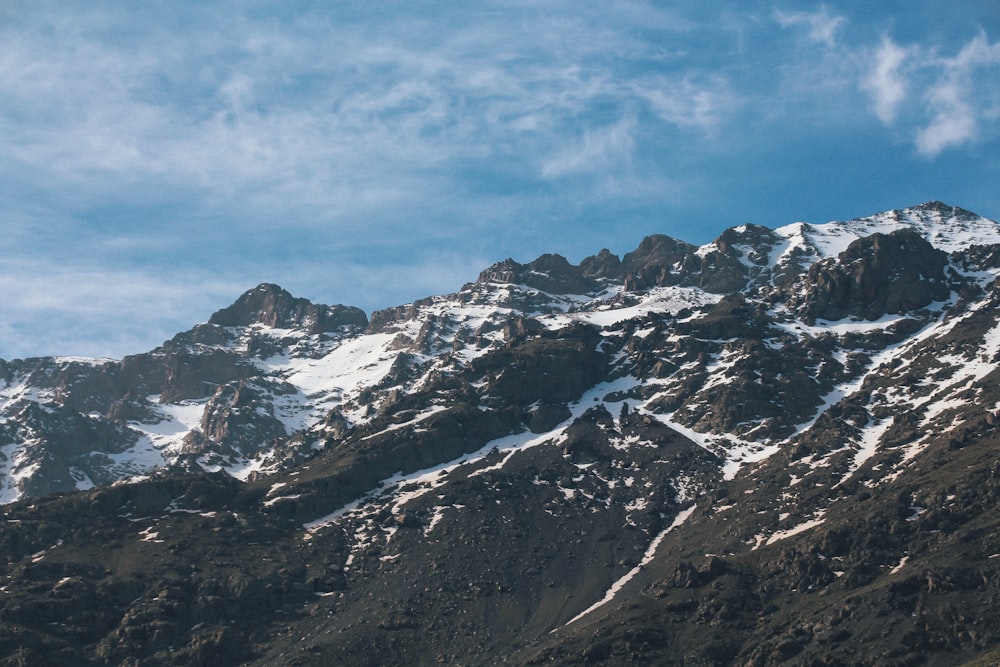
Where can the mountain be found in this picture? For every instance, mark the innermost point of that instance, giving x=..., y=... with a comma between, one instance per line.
x=776, y=448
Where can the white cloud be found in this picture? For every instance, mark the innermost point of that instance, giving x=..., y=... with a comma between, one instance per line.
x=316, y=122
x=822, y=26
x=885, y=83
x=954, y=122
x=84, y=310
x=941, y=102
x=965, y=94
x=597, y=151
x=685, y=103
x=320, y=113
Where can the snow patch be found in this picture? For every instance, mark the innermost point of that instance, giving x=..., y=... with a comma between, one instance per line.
x=647, y=558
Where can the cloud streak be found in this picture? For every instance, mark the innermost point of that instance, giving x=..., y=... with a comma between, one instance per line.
x=966, y=95
x=821, y=25
x=886, y=83
x=945, y=101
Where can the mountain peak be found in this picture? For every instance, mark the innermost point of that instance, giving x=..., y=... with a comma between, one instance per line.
x=656, y=249
x=939, y=207
x=273, y=306
x=550, y=273
x=946, y=227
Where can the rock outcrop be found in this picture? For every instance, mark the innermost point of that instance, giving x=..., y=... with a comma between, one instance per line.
x=880, y=274
x=274, y=307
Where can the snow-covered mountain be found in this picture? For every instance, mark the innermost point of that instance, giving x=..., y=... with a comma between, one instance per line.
x=739, y=453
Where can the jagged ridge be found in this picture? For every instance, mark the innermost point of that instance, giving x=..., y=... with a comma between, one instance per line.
x=736, y=454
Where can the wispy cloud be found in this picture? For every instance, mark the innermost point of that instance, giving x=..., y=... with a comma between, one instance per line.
x=595, y=151
x=702, y=105
x=954, y=121
x=821, y=26
x=321, y=123
x=966, y=94
x=885, y=82
x=325, y=117
x=935, y=101
x=97, y=311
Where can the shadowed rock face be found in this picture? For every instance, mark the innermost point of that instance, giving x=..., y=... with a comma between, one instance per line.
x=556, y=465
x=656, y=250
x=272, y=306
x=549, y=273
x=602, y=265
x=877, y=275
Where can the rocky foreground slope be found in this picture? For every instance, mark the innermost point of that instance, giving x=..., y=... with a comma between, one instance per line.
x=778, y=448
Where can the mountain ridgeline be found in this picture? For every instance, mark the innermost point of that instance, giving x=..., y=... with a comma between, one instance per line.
x=779, y=448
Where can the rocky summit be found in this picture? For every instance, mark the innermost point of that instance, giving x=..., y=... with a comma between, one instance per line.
x=779, y=448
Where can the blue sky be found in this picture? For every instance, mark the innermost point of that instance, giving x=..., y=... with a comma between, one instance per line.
x=159, y=158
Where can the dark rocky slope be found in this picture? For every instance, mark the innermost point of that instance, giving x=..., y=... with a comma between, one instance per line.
x=777, y=449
